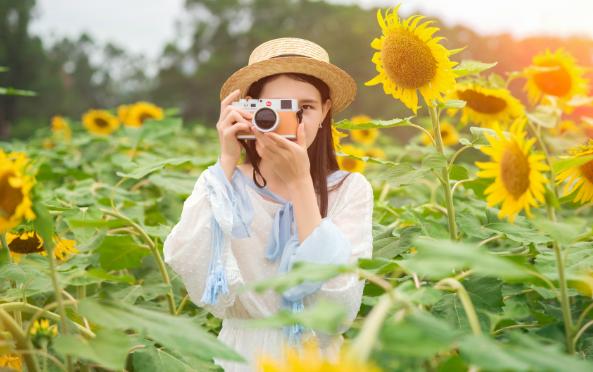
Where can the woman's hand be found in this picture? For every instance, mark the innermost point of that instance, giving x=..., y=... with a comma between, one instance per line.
x=289, y=159
x=231, y=121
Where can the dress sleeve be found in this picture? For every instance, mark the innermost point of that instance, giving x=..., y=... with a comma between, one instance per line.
x=199, y=244
x=341, y=238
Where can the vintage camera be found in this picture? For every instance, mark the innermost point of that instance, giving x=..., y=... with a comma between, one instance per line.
x=278, y=115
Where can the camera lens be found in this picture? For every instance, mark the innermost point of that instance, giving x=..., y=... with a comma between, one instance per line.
x=265, y=119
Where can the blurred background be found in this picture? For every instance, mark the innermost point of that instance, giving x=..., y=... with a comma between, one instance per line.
x=76, y=55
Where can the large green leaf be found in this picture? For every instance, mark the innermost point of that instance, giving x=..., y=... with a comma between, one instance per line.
x=471, y=67
x=439, y=258
x=374, y=123
x=109, y=349
x=118, y=252
x=177, y=333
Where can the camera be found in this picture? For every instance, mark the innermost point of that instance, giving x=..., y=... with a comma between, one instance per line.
x=278, y=115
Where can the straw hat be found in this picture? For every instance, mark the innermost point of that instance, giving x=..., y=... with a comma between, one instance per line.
x=293, y=55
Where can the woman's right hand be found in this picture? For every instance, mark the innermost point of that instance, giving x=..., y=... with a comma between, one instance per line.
x=231, y=121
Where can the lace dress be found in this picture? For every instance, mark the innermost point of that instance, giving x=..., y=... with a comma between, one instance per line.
x=248, y=223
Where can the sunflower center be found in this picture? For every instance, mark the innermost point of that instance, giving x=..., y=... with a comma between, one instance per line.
x=349, y=163
x=514, y=170
x=407, y=60
x=102, y=123
x=27, y=245
x=482, y=102
x=11, y=197
x=587, y=171
x=145, y=116
x=555, y=83
x=444, y=134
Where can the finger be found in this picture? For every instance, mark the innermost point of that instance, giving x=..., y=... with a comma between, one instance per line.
x=227, y=110
x=279, y=141
x=301, y=136
x=234, y=117
x=232, y=131
x=228, y=99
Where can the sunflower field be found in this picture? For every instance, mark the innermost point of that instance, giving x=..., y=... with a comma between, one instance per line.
x=483, y=228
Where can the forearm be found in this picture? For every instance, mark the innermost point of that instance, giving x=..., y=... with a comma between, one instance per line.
x=306, y=210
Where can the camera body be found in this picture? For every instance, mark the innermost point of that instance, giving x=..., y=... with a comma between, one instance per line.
x=279, y=115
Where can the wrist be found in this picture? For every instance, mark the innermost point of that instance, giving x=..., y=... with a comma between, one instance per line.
x=228, y=164
x=301, y=184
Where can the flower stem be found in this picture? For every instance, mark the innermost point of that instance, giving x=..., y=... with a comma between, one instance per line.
x=155, y=253
x=364, y=342
x=550, y=208
x=434, y=116
x=466, y=301
x=20, y=339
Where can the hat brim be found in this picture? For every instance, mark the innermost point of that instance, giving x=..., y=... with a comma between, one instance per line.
x=342, y=86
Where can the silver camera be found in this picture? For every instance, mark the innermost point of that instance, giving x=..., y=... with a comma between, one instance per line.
x=277, y=115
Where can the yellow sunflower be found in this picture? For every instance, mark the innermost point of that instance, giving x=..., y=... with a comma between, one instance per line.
x=580, y=177
x=60, y=126
x=351, y=164
x=100, y=122
x=42, y=328
x=15, y=190
x=564, y=80
x=309, y=359
x=11, y=361
x=375, y=152
x=27, y=242
x=449, y=135
x=122, y=113
x=517, y=172
x=568, y=127
x=136, y=114
x=410, y=59
x=484, y=105
x=336, y=137
x=363, y=136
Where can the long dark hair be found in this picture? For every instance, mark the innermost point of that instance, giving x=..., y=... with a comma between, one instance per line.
x=322, y=155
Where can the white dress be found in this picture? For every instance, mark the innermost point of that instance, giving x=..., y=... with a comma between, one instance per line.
x=187, y=250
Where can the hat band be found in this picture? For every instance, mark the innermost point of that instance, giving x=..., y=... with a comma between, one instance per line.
x=291, y=55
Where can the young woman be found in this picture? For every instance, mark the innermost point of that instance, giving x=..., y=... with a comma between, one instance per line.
x=287, y=202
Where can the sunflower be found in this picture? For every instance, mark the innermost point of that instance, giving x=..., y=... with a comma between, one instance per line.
x=15, y=190
x=11, y=361
x=42, y=328
x=517, y=172
x=375, y=152
x=563, y=78
x=122, y=113
x=136, y=114
x=100, y=122
x=60, y=126
x=579, y=177
x=336, y=137
x=448, y=134
x=411, y=59
x=363, y=136
x=566, y=127
x=351, y=164
x=309, y=359
x=27, y=242
x=484, y=105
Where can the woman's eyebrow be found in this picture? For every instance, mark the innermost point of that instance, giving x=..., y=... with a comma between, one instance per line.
x=307, y=101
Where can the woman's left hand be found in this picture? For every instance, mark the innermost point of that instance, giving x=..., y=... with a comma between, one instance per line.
x=289, y=159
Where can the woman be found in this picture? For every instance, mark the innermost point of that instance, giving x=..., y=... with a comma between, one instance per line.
x=288, y=202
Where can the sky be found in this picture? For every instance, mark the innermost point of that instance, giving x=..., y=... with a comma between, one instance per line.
x=143, y=26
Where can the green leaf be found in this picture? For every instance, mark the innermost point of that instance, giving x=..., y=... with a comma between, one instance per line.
x=545, y=116
x=16, y=92
x=118, y=252
x=324, y=315
x=439, y=258
x=573, y=162
x=418, y=335
x=142, y=170
x=44, y=224
x=452, y=104
x=109, y=348
x=177, y=333
x=375, y=123
x=434, y=161
x=518, y=233
x=152, y=359
x=458, y=172
x=563, y=233
x=471, y=67
x=300, y=272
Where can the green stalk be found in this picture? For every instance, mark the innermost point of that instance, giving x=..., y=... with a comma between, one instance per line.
x=564, y=300
x=60, y=300
x=17, y=314
x=20, y=339
x=364, y=342
x=466, y=301
x=155, y=252
x=434, y=116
